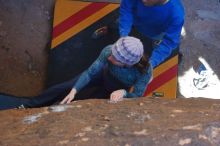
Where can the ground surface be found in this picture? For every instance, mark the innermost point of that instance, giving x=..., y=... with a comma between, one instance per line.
x=142, y=122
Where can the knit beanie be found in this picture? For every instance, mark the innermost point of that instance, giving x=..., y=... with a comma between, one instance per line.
x=128, y=50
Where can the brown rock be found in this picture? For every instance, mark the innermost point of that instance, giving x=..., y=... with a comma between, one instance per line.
x=196, y=122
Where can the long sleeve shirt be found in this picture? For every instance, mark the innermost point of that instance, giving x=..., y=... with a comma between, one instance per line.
x=161, y=22
x=129, y=76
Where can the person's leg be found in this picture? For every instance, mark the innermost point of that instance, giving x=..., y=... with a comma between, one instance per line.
x=58, y=92
x=51, y=95
x=10, y=101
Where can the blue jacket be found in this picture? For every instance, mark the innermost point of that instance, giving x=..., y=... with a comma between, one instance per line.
x=161, y=22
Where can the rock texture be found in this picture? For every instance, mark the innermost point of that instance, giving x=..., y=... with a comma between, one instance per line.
x=200, y=40
x=202, y=34
x=138, y=122
x=25, y=34
x=25, y=31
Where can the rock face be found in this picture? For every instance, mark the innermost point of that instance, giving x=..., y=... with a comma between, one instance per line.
x=200, y=40
x=25, y=31
x=138, y=122
x=202, y=34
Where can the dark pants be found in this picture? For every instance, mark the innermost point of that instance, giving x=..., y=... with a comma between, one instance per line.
x=10, y=101
x=100, y=86
x=53, y=95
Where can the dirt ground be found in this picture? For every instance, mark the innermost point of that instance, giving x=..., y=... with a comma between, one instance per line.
x=141, y=122
x=202, y=34
x=25, y=35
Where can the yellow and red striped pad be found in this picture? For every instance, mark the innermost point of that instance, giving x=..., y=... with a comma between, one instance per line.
x=73, y=17
x=164, y=83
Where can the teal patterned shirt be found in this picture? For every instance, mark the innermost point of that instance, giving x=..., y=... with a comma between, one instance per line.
x=129, y=76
